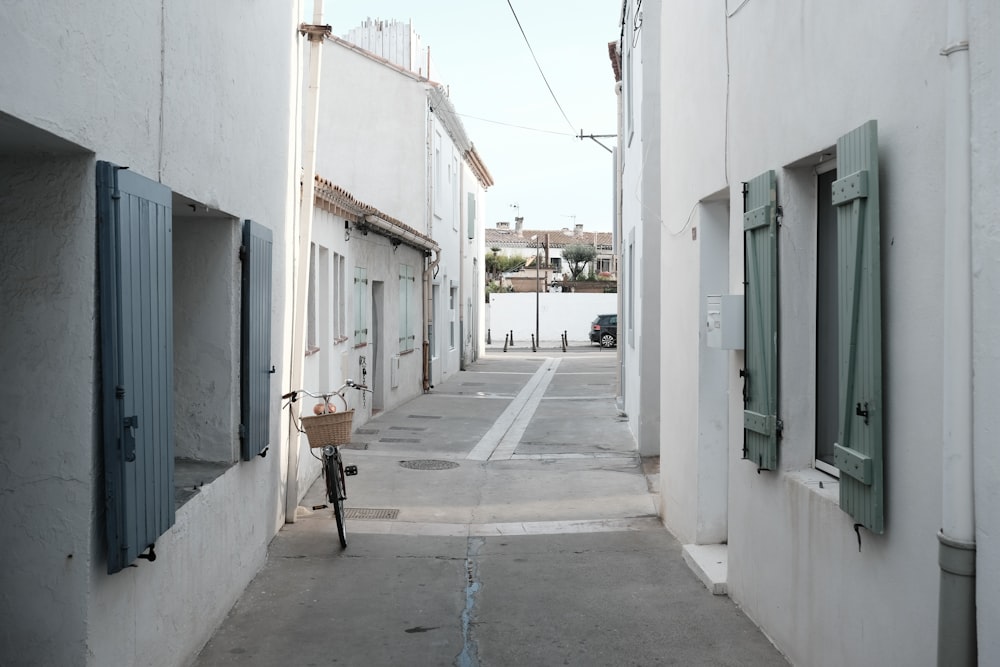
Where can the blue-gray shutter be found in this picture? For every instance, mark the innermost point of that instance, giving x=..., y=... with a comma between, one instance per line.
x=136, y=325
x=858, y=451
x=760, y=388
x=255, y=341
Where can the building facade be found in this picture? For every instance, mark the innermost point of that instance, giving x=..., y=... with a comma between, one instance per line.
x=142, y=299
x=819, y=456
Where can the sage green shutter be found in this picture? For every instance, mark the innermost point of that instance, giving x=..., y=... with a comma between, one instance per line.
x=858, y=452
x=760, y=388
x=360, y=306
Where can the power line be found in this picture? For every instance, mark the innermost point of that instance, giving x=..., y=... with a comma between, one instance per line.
x=538, y=65
x=520, y=127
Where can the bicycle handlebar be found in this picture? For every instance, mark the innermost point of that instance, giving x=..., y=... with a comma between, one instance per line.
x=293, y=395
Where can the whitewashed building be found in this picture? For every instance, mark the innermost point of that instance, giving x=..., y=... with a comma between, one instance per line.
x=636, y=63
x=834, y=171
x=146, y=177
x=399, y=146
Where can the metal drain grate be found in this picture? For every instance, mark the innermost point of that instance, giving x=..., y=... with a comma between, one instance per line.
x=368, y=513
x=428, y=464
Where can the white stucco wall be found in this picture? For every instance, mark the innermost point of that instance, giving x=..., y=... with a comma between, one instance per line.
x=47, y=408
x=985, y=80
x=557, y=312
x=693, y=160
x=209, y=114
x=373, y=125
x=794, y=564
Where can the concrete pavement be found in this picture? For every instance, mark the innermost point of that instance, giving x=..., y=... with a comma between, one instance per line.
x=504, y=518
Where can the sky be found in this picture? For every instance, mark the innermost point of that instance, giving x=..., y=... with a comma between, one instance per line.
x=546, y=173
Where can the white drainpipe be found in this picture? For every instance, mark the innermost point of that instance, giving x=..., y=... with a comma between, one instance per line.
x=957, y=539
x=300, y=284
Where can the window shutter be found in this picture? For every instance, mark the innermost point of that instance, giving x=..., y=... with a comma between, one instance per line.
x=136, y=324
x=360, y=306
x=255, y=341
x=472, y=215
x=858, y=452
x=760, y=388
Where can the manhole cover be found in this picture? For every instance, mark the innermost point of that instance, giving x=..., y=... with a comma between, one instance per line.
x=428, y=464
x=367, y=513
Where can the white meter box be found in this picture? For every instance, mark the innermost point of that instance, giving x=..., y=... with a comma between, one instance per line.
x=724, y=321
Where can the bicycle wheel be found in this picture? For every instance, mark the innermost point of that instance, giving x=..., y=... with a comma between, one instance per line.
x=333, y=470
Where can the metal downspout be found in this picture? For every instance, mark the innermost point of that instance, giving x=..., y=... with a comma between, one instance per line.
x=428, y=316
x=957, y=539
x=300, y=285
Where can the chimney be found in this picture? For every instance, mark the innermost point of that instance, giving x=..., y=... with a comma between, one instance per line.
x=503, y=226
x=578, y=229
x=518, y=224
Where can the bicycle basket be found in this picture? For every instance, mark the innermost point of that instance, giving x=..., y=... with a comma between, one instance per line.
x=333, y=428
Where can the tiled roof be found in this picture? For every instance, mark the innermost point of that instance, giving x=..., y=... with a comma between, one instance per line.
x=557, y=238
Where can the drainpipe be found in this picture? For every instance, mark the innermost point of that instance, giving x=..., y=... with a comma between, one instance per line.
x=429, y=266
x=957, y=539
x=300, y=286
x=428, y=316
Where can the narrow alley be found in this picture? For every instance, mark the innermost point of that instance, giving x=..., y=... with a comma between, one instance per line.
x=504, y=518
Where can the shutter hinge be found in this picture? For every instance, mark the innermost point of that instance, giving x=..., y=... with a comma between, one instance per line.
x=746, y=192
x=243, y=253
x=119, y=392
x=779, y=427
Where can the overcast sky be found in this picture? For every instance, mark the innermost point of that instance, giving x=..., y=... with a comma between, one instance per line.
x=478, y=51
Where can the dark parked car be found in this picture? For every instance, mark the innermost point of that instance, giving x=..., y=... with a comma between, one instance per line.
x=604, y=330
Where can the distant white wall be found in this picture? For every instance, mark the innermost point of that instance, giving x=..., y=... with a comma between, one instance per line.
x=557, y=312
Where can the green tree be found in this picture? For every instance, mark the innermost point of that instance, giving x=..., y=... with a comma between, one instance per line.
x=578, y=256
x=497, y=264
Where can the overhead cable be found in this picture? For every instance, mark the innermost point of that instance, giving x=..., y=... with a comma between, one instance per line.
x=538, y=65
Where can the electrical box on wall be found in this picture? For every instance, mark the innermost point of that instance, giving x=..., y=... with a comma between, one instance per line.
x=724, y=321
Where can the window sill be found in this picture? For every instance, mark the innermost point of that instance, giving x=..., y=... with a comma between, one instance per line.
x=190, y=475
x=360, y=345
x=820, y=483
x=311, y=350
x=402, y=352
x=340, y=339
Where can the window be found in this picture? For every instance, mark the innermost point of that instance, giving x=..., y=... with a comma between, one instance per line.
x=826, y=320
x=848, y=325
x=339, y=299
x=407, y=308
x=164, y=298
x=311, y=339
x=360, y=306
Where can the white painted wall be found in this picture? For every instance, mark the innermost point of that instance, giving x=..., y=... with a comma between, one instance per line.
x=557, y=312
x=208, y=113
x=373, y=124
x=639, y=277
x=985, y=79
x=794, y=564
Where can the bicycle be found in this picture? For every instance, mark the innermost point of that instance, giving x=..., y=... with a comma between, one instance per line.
x=327, y=430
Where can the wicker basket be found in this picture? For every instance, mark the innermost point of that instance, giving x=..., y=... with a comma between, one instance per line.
x=333, y=428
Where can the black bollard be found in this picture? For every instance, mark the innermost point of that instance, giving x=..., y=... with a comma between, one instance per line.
x=505, y=343
x=512, y=338
x=489, y=339
x=533, y=348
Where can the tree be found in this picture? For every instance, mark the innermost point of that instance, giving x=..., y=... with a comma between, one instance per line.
x=578, y=256
x=497, y=264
